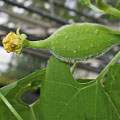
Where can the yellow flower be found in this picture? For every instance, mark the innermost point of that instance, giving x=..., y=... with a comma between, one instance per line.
x=13, y=42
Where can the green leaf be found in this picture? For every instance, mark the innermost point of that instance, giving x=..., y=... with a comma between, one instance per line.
x=79, y=41
x=63, y=98
x=112, y=88
x=13, y=93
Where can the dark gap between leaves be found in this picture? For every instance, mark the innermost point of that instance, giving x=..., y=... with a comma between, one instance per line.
x=30, y=96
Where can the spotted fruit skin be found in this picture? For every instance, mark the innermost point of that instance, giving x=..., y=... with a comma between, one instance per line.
x=81, y=41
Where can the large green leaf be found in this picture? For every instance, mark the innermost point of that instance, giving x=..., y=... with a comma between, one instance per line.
x=13, y=93
x=112, y=88
x=63, y=98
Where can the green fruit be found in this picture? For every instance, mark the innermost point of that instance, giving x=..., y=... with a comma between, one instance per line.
x=79, y=41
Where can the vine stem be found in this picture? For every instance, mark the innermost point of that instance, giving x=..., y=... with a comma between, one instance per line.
x=102, y=5
x=11, y=108
x=111, y=63
x=33, y=114
x=112, y=11
x=73, y=67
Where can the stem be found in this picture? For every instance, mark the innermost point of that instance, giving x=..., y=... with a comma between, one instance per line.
x=107, y=8
x=113, y=11
x=33, y=114
x=37, y=44
x=73, y=67
x=111, y=63
x=11, y=108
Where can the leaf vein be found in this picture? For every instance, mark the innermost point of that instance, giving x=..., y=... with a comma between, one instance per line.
x=72, y=98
